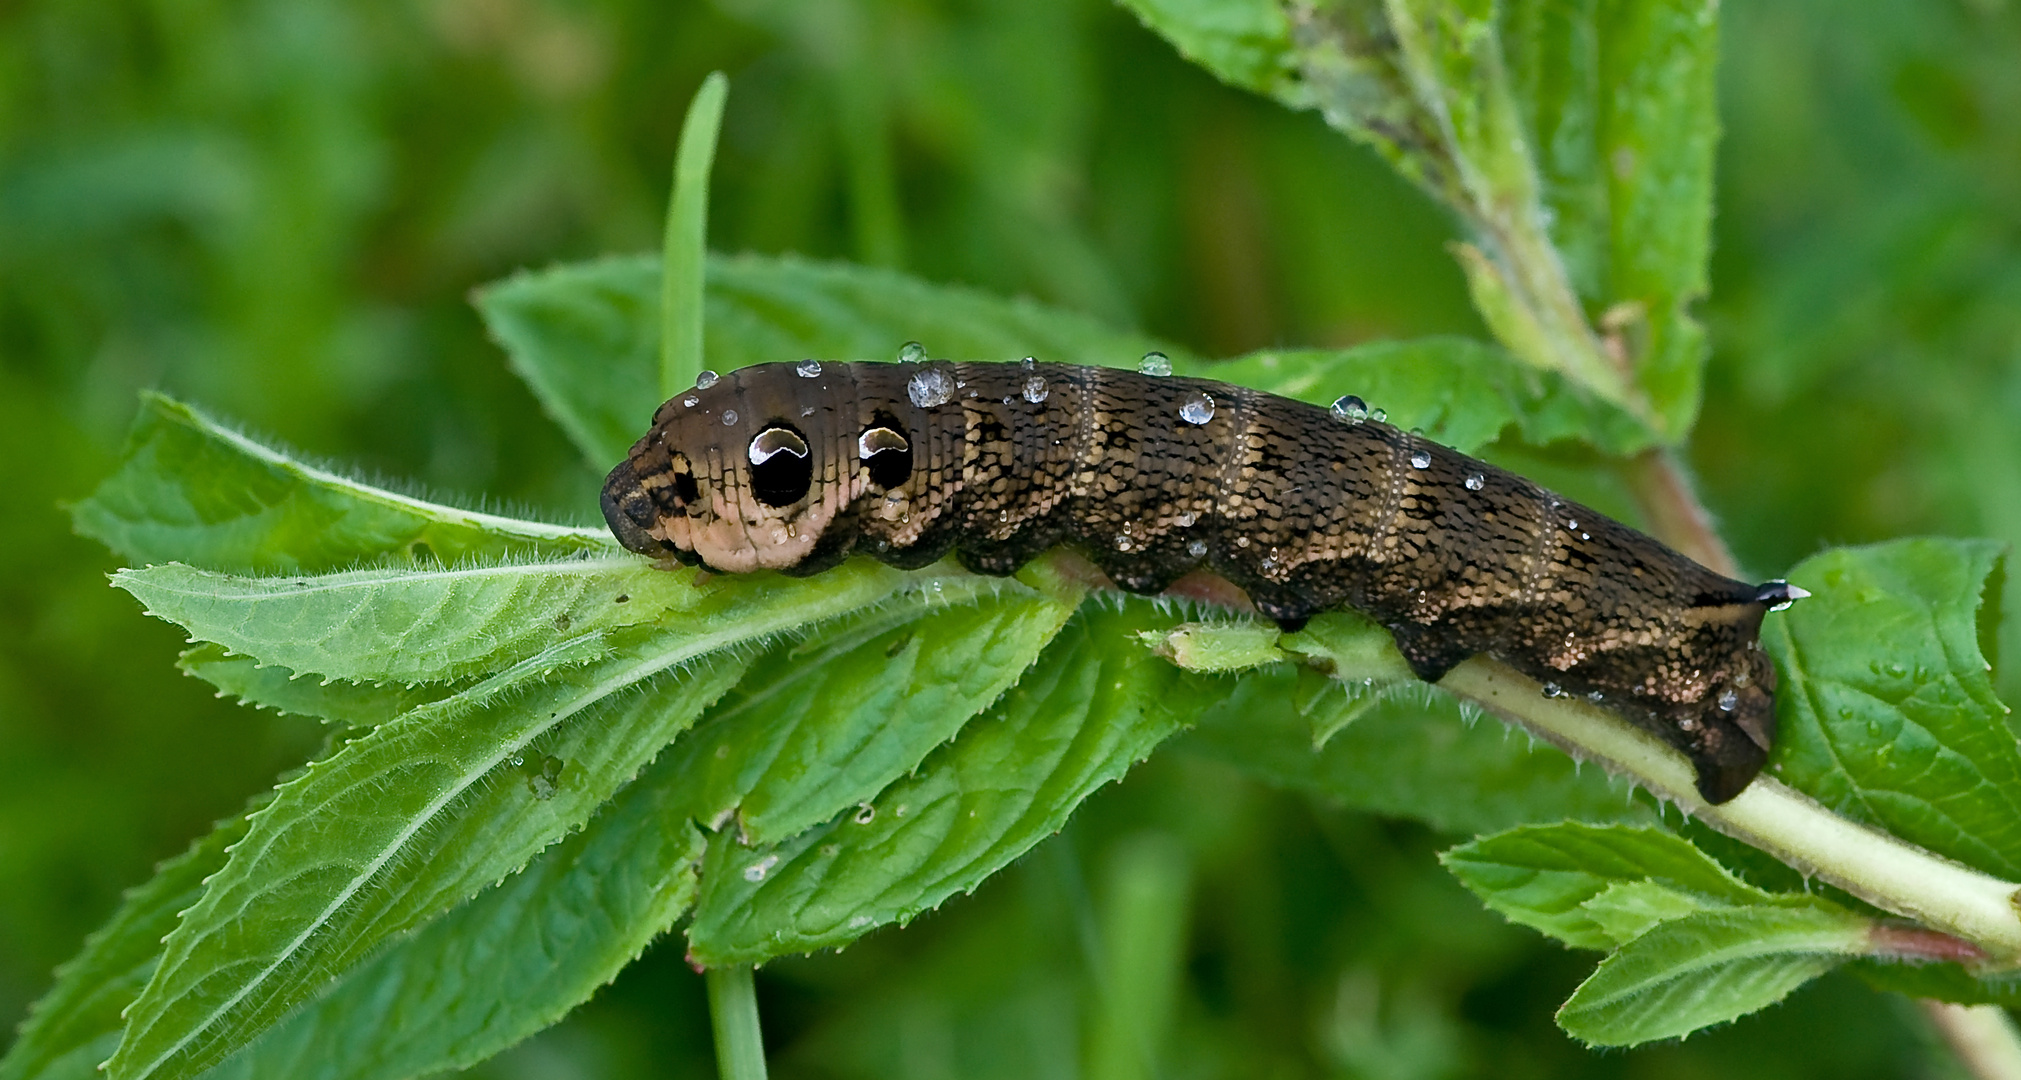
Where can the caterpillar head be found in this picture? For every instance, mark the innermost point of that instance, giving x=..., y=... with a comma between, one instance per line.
x=748, y=471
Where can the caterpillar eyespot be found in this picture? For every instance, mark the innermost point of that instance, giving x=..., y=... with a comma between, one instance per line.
x=1154, y=476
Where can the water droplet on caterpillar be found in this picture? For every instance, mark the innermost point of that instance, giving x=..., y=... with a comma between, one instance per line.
x=1476, y=482
x=691, y=401
x=1155, y=363
x=1196, y=548
x=807, y=369
x=1728, y=701
x=1198, y=408
x=706, y=379
x=1553, y=690
x=1349, y=409
x=1029, y=362
x=930, y=388
x=1380, y=416
x=1187, y=519
x=912, y=352
x=729, y=417
x=1420, y=459
x=1122, y=543
x=1036, y=389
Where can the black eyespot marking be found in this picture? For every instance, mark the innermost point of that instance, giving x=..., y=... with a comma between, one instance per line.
x=781, y=468
x=886, y=451
x=685, y=489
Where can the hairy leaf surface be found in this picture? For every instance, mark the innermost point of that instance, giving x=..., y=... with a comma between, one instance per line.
x=1079, y=719
x=1886, y=709
x=1707, y=968
x=404, y=823
x=508, y=963
x=192, y=490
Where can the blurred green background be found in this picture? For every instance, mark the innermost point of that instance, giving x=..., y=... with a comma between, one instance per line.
x=276, y=208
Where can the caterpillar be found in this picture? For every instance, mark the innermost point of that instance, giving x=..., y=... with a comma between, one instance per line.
x=794, y=467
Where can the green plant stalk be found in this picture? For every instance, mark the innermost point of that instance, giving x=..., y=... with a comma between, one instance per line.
x=686, y=247
x=733, y=1017
x=1883, y=870
x=1982, y=1036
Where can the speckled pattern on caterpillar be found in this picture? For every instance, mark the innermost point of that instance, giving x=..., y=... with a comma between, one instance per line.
x=797, y=466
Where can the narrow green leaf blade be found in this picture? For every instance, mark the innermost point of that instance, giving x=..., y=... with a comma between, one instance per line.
x=511, y=961
x=831, y=722
x=355, y=704
x=1088, y=710
x=190, y=489
x=1546, y=876
x=586, y=337
x=1659, y=133
x=1705, y=969
x=407, y=822
x=443, y=624
x=77, y=1024
x=1886, y=708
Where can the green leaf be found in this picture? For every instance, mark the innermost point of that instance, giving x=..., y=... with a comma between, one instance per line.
x=408, y=626
x=1462, y=393
x=190, y=489
x=77, y=1024
x=508, y=963
x=1246, y=43
x=684, y=252
x=1886, y=709
x=1552, y=48
x=1567, y=880
x=586, y=337
x=1414, y=756
x=408, y=821
x=1660, y=130
x=830, y=722
x=1707, y=968
x=277, y=688
x=1451, y=53
x=1089, y=709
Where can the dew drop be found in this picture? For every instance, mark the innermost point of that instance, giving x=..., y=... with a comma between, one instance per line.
x=808, y=368
x=729, y=417
x=1155, y=363
x=706, y=379
x=1198, y=408
x=1595, y=695
x=1029, y=362
x=1196, y=548
x=1728, y=701
x=1476, y=482
x=1553, y=690
x=1349, y=409
x=1242, y=541
x=1420, y=460
x=1122, y=543
x=930, y=388
x=1036, y=389
x=1378, y=415
x=691, y=401
x=1573, y=525
x=912, y=352
x=1187, y=519
x=807, y=410
x=757, y=870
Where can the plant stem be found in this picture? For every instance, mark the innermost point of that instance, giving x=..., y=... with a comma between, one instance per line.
x=1672, y=511
x=1983, y=1037
x=1883, y=870
x=733, y=1016
x=684, y=257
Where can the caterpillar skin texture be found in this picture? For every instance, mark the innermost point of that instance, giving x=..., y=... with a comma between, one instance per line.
x=795, y=467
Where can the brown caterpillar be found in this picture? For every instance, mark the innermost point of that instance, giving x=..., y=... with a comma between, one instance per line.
x=795, y=467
